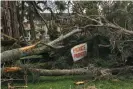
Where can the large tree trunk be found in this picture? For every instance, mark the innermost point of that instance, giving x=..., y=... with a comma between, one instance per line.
x=6, y=19
x=15, y=54
x=92, y=72
x=9, y=19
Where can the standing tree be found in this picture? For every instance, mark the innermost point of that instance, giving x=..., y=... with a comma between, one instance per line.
x=9, y=19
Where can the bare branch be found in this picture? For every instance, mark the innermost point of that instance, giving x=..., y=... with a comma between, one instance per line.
x=120, y=28
x=98, y=22
x=101, y=45
x=107, y=24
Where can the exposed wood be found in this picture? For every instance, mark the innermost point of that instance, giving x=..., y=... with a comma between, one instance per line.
x=12, y=69
x=27, y=47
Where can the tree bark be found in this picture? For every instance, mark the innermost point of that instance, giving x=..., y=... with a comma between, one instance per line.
x=6, y=19
x=14, y=20
x=9, y=19
x=20, y=20
x=58, y=72
x=81, y=71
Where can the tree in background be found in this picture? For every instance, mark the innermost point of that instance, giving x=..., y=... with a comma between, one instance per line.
x=10, y=25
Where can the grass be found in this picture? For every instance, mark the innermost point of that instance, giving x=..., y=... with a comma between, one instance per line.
x=67, y=82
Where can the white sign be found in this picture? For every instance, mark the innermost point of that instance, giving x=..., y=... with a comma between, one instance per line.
x=79, y=51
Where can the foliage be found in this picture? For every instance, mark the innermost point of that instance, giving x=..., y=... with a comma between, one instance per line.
x=103, y=62
x=61, y=63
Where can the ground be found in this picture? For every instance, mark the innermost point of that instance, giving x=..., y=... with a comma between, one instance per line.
x=67, y=82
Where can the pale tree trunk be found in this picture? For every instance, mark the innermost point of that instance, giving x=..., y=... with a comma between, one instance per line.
x=96, y=72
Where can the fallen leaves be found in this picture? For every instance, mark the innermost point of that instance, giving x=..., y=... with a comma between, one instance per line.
x=80, y=82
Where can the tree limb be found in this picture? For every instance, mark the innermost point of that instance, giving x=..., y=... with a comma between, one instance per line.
x=107, y=24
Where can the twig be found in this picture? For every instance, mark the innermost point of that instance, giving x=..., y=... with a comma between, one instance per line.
x=91, y=25
x=101, y=45
x=46, y=45
x=98, y=22
x=3, y=80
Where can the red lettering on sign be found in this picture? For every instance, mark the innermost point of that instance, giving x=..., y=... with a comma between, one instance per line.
x=79, y=54
x=78, y=49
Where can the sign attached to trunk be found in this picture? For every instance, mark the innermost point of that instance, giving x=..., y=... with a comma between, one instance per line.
x=79, y=51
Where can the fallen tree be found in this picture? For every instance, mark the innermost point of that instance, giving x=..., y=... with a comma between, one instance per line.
x=15, y=54
x=98, y=73
x=95, y=73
